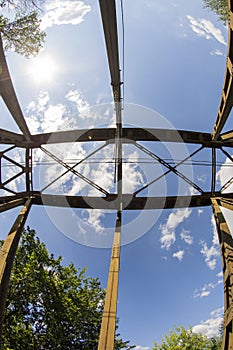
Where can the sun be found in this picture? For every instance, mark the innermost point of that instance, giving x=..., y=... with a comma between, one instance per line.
x=43, y=69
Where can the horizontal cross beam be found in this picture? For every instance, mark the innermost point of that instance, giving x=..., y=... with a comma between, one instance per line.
x=134, y=134
x=111, y=202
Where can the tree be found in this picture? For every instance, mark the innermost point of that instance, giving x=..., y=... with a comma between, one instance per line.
x=220, y=7
x=182, y=339
x=22, y=4
x=23, y=33
x=51, y=306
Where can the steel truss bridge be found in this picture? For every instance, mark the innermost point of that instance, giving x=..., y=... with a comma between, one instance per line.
x=119, y=201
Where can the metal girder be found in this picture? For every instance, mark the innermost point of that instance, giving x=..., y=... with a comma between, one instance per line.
x=9, y=137
x=226, y=202
x=227, y=136
x=134, y=134
x=108, y=325
x=213, y=181
x=28, y=169
x=226, y=248
x=9, y=96
x=108, y=14
x=12, y=204
x=226, y=101
x=129, y=202
x=7, y=255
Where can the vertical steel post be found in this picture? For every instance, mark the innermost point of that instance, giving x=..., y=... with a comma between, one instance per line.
x=108, y=326
x=7, y=255
x=28, y=169
x=226, y=247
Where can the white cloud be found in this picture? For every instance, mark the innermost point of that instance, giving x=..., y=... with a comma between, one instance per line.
x=185, y=236
x=204, y=291
x=94, y=219
x=168, y=236
x=204, y=28
x=215, y=240
x=220, y=277
x=210, y=255
x=132, y=177
x=202, y=178
x=139, y=347
x=217, y=52
x=210, y=327
x=43, y=116
x=179, y=255
x=64, y=12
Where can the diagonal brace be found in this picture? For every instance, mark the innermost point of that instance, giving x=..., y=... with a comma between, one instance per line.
x=171, y=168
x=75, y=172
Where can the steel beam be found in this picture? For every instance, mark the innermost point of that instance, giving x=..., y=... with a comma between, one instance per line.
x=226, y=248
x=7, y=255
x=11, y=204
x=227, y=136
x=226, y=202
x=9, y=96
x=9, y=137
x=108, y=325
x=129, y=202
x=108, y=15
x=129, y=134
x=213, y=181
x=226, y=101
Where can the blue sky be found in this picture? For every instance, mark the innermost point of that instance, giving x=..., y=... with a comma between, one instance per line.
x=174, y=64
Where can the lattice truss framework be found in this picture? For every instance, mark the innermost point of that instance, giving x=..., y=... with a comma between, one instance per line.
x=119, y=201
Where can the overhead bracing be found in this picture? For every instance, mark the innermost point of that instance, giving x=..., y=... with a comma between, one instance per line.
x=120, y=202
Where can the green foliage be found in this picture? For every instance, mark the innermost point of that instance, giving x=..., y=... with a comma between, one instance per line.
x=22, y=5
x=51, y=306
x=220, y=7
x=182, y=339
x=23, y=34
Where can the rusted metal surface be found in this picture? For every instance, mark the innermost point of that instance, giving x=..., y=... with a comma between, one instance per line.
x=108, y=134
x=213, y=181
x=129, y=202
x=226, y=101
x=109, y=20
x=134, y=134
x=12, y=204
x=226, y=248
x=108, y=325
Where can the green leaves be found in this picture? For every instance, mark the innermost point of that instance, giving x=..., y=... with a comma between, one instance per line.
x=51, y=306
x=23, y=35
x=220, y=7
x=184, y=339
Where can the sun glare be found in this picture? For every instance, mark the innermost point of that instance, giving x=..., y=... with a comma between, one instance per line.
x=43, y=69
